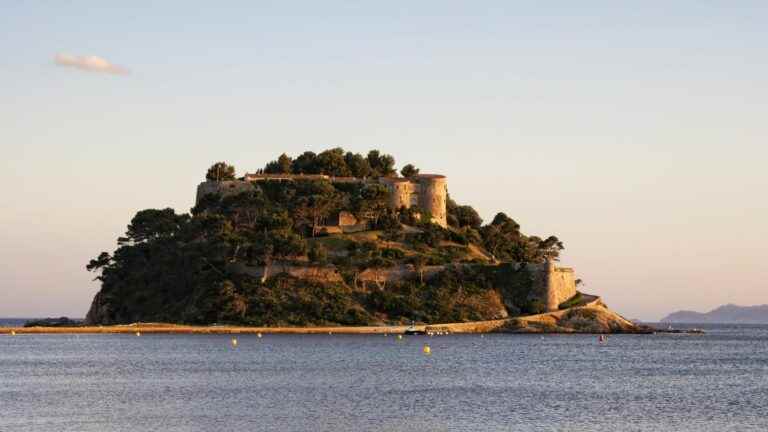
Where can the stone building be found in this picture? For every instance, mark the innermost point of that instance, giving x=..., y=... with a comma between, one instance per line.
x=428, y=192
x=559, y=285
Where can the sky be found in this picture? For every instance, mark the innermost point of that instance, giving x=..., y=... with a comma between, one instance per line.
x=635, y=131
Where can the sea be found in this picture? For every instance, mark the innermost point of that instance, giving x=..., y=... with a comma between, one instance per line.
x=495, y=382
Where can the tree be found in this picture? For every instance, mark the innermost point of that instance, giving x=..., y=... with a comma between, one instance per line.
x=102, y=261
x=268, y=245
x=381, y=165
x=409, y=171
x=306, y=163
x=466, y=216
x=232, y=305
x=317, y=253
x=550, y=248
x=387, y=166
x=502, y=219
x=152, y=224
x=420, y=262
x=371, y=202
x=315, y=201
x=503, y=239
x=220, y=171
x=332, y=162
x=280, y=166
x=365, y=255
x=358, y=165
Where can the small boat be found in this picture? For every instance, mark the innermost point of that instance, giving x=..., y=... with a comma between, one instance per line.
x=412, y=330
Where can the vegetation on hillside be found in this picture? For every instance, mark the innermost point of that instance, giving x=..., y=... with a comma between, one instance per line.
x=189, y=268
x=335, y=162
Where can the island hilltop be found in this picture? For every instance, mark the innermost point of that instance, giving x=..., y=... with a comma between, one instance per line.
x=338, y=239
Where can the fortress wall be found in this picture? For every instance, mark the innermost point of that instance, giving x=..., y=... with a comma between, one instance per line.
x=329, y=273
x=398, y=273
x=430, y=190
x=399, y=194
x=539, y=280
x=550, y=284
x=224, y=188
x=561, y=286
x=310, y=272
x=325, y=274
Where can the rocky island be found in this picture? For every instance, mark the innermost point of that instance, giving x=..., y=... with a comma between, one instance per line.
x=339, y=240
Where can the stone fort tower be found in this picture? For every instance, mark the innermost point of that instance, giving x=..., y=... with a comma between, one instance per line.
x=559, y=285
x=428, y=192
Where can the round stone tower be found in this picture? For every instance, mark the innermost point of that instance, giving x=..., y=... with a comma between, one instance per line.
x=433, y=195
x=552, y=302
x=400, y=190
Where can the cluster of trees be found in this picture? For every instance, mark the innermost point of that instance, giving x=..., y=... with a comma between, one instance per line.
x=338, y=163
x=454, y=295
x=188, y=268
x=333, y=162
x=502, y=237
x=220, y=171
x=162, y=258
x=460, y=216
x=308, y=204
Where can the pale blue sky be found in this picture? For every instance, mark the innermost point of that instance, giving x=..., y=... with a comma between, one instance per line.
x=635, y=131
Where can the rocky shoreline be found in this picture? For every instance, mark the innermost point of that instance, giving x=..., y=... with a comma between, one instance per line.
x=592, y=318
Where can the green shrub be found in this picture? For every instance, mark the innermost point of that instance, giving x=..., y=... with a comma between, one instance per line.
x=571, y=302
x=317, y=253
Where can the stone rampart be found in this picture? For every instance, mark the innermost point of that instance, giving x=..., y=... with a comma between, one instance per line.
x=428, y=191
x=549, y=284
x=561, y=285
x=327, y=273
x=400, y=191
x=223, y=188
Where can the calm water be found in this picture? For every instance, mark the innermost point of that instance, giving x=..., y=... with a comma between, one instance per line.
x=13, y=322
x=716, y=382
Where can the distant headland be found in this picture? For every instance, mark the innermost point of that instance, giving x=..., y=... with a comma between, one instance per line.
x=338, y=239
x=726, y=314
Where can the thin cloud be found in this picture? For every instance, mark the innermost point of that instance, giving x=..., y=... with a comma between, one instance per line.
x=89, y=63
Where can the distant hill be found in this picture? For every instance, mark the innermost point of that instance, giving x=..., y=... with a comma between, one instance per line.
x=729, y=313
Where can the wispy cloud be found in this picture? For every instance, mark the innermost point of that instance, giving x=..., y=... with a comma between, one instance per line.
x=89, y=63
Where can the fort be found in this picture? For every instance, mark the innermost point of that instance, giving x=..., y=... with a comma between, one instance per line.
x=551, y=284
x=428, y=192
x=297, y=248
